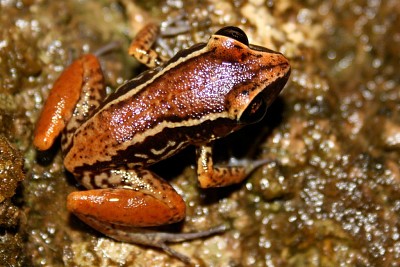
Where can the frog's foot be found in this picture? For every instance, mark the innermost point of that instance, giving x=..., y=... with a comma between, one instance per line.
x=175, y=26
x=216, y=176
x=107, y=48
x=249, y=164
x=151, y=238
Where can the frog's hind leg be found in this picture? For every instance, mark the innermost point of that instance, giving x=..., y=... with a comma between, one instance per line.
x=82, y=83
x=91, y=94
x=121, y=201
x=127, y=197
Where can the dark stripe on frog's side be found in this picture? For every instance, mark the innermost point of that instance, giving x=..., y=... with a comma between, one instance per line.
x=182, y=136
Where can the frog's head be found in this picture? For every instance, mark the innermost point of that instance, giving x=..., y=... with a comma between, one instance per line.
x=263, y=74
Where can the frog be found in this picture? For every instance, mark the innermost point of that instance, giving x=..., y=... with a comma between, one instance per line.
x=203, y=93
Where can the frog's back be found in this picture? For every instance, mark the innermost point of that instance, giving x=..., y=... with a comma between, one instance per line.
x=191, y=100
x=153, y=120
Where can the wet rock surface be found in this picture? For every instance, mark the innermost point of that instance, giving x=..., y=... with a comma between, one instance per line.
x=329, y=196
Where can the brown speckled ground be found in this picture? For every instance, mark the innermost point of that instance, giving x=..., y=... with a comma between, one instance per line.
x=331, y=195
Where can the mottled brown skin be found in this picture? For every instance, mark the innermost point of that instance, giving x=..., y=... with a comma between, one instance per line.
x=201, y=94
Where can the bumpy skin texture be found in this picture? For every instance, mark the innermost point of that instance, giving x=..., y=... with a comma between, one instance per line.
x=187, y=102
x=201, y=94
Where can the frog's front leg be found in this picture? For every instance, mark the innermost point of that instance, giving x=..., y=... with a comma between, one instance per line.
x=122, y=201
x=209, y=175
x=140, y=47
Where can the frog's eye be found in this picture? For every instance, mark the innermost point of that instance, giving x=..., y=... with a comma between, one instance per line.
x=234, y=33
x=255, y=111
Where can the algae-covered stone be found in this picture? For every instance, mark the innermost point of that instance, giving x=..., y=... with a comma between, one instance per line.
x=330, y=193
x=11, y=242
x=11, y=164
